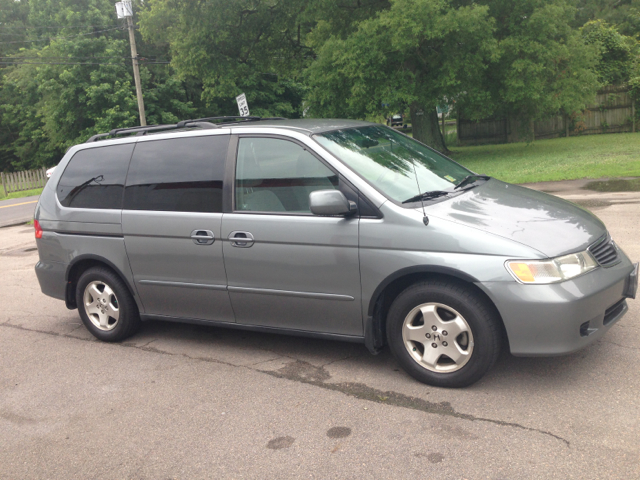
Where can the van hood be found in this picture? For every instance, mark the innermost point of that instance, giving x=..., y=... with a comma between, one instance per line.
x=544, y=222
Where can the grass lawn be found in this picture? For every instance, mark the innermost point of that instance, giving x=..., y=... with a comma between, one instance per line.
x=591, y=156
x=25, y=193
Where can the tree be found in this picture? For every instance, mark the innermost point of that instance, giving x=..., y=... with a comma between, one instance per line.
x=417, y=53
x=543, y=65
x=623, y=14
x=248, y=46
x=617, y=53
x=74, y=79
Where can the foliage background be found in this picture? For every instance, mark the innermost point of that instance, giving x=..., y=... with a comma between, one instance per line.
x=65, y=67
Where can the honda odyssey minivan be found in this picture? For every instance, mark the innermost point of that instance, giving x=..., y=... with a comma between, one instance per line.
x=336, y=229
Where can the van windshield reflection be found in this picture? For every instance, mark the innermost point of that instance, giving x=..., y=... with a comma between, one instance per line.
x=398, y=166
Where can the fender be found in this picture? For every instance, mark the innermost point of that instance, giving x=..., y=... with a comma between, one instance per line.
x=374, y=332
x=100, y=259
x=403, y=272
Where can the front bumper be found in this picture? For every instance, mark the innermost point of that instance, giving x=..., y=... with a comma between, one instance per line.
x=563, y=317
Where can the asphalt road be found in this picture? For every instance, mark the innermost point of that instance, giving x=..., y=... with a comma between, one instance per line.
x=17, y=210
x=181, y=401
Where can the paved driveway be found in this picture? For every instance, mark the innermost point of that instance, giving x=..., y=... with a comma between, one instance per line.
x=181, y=401
x=17, y=210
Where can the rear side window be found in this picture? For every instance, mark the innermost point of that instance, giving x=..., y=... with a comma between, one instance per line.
x=94, y=178
x=179, y=175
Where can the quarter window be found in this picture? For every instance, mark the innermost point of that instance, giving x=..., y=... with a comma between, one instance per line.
x=179, y=175
x=94, y=178
x=274, y=175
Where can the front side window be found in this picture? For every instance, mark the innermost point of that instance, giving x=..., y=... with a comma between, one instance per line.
x=274, y=175
x=397, y=166
x=94, y=178
x=178, y=175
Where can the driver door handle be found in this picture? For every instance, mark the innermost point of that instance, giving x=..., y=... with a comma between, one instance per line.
x=241, y=239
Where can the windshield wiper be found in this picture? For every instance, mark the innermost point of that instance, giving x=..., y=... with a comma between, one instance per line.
x=426, y=195
x=471, y=178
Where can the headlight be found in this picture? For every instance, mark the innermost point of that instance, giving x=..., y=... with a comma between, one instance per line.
x=552, y=270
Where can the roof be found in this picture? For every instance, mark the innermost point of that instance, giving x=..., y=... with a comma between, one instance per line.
x=309, y=125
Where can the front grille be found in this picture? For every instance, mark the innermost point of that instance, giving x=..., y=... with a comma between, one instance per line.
x=604, y=251
x=613, y=311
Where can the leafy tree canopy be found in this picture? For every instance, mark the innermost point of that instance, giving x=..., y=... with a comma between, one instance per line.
x=233, y=47
x=72, y=79
x=418, y=53
x=623, y=14
x=617, y=53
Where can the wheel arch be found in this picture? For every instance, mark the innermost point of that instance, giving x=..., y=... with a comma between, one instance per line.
x=79, y=265
x=387, y=291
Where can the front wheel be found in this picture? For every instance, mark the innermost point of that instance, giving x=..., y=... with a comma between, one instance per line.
x=443, y=334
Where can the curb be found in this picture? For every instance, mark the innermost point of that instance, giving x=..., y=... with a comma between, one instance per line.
x=16, y=222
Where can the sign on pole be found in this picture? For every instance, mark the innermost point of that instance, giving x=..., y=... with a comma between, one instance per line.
x=243, y=106
x=124, y=9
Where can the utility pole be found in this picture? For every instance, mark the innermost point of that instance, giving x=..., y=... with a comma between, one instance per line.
x=124, y=9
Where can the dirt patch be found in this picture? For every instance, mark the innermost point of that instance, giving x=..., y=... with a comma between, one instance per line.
x=592, y=203
x=304, y=372
x=435, y=457
x=338, y=432
x=20, y=252
x=615, y=185
x=280, y=443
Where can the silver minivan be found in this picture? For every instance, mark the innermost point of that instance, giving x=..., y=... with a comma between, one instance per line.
x=336, y=229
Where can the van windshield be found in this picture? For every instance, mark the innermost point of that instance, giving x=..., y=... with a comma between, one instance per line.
x=398, y=166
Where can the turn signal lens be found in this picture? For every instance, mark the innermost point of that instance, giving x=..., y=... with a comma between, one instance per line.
x=522, y=271
x=36, y=225
x=552, y=270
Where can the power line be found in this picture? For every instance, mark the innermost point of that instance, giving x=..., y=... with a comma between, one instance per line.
x=140, y=59
x=66, y=36
x=66, y=58
x=58, y=63
x=56, y=26
x=83, y=63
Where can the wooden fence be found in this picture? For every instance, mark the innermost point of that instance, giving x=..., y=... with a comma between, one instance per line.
x=27, y=180
x=612, y=112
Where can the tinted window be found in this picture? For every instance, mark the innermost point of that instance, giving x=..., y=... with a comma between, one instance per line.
x=94, y=178
x=275, y=175
x=180, y=175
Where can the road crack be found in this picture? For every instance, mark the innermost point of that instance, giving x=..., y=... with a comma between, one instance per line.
x=296, y=372
x=619, y=345
x=364, y=392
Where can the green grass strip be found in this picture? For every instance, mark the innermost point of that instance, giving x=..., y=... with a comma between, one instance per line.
x=25, y=193
x=589, y=156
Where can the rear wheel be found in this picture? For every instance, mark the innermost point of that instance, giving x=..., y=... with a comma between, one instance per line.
x=443, y=333
x=105, y=305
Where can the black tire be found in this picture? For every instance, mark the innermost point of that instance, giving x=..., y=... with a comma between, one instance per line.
x=128, y=321
x=483, y=346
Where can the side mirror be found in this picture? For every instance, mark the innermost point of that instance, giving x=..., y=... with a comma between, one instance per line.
x=330, y=202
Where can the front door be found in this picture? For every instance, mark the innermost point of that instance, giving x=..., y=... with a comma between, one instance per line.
x=286, y=267
x=171, y=223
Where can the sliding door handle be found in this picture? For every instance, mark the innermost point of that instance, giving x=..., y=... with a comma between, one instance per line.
x=203, y=237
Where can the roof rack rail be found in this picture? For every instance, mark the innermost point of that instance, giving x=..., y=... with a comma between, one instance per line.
x=183, y=123
x=196, y=122
x=143, y=130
